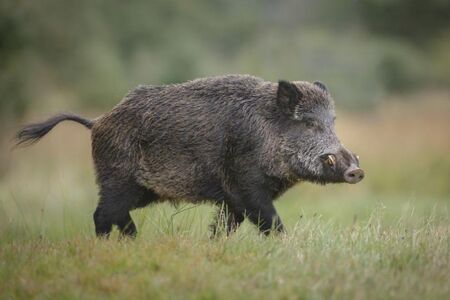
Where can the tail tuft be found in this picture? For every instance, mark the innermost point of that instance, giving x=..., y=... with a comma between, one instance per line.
x=31, y=133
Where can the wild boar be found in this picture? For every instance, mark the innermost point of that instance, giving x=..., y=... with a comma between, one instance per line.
x=237, y=141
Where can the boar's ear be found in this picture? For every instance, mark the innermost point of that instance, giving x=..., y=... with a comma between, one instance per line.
x=321, y=86
x=288, y=97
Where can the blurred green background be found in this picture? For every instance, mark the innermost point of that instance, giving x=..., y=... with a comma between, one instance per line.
x=91, y=52
x=387, y=63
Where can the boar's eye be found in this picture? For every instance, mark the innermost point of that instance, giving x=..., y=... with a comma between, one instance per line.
x=310, y=123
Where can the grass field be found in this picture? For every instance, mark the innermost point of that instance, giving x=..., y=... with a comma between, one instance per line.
x=385, y=238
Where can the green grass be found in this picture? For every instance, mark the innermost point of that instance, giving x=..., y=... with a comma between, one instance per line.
x=173, y=258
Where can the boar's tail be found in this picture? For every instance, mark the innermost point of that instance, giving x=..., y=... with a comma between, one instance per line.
x=31, y=133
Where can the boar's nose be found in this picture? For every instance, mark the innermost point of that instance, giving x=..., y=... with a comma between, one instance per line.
x=353, y=175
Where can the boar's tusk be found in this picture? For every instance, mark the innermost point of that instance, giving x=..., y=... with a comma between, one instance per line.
x=331, y=160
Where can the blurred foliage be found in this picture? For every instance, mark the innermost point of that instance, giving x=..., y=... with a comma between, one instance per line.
x=414, y=20
x=92, y=52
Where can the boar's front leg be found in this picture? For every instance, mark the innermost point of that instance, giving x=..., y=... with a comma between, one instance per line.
x=258, y=206
x=226, y=218
x=264, y=215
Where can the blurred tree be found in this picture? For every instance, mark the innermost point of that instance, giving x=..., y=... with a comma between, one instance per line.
x=13, y=42
x=415, y=20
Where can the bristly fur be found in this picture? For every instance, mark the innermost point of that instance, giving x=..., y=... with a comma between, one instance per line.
x=237, y=140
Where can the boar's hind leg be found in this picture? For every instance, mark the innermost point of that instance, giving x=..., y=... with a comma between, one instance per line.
x=110, y=212
x=103, y=225
x=116, y=201
x=227, y=219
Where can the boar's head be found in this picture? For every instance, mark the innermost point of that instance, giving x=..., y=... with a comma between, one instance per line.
x=309, y=145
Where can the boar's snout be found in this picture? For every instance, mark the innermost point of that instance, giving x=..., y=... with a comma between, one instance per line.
x=342, y=166
x=353, y=175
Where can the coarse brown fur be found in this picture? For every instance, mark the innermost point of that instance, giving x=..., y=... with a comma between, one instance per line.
x=236, y=140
